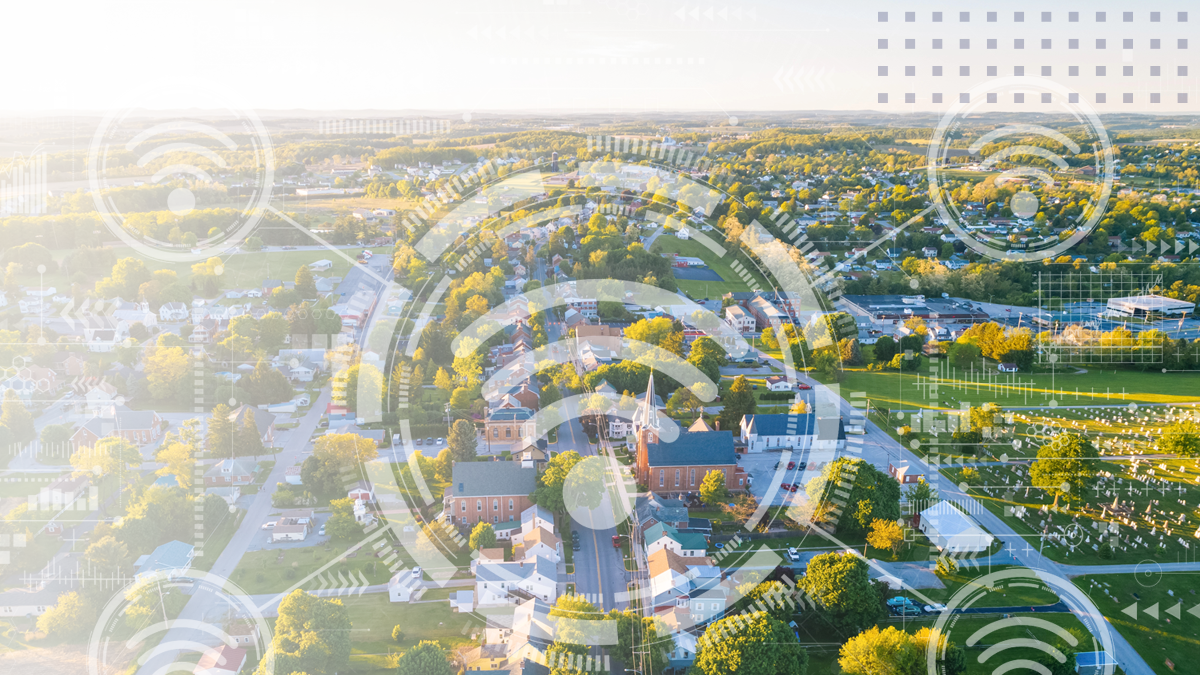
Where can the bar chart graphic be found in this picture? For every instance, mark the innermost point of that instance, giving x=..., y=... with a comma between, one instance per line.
x=23, y=185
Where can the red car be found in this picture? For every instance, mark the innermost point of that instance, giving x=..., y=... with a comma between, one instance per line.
x=791, y=465
x=795, y=486
x=786, y=486
x=803, y=387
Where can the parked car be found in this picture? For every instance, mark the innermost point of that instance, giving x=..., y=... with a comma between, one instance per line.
x=803, y=387
x=418, y=442
x=791, y=465
x=441, y=441
x=935, y=608
x=575, y=545
x=269, y=526
x=416, y=572
x=899, y=601
x=906, y=610
x=322, y=531
x=786, y=486
x=793, y=554
x=429, y=440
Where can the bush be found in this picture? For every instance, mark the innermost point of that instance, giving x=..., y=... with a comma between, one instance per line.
x=1105, y=551
x=397, y=633
x=946, y=566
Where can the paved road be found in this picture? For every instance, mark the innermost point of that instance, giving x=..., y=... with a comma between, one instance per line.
x=1080, y=570
x=256, y=515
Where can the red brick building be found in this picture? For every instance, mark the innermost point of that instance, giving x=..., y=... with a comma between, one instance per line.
x=490, y=492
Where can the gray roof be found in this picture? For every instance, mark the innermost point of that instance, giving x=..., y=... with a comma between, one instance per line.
x=697, y=448
x=661, y=509
x=171, y=555
x=237, y=467
x=486, y=479
x=512, y=571
x=124, y=420
x=510, y=414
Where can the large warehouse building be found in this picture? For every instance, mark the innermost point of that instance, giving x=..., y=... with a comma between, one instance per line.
x=1149, y=306
x=893, y=310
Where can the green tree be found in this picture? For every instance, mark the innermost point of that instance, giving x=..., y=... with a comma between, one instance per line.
x=426, y=658
x=71, y=617
x=890, y=650
x=397, y=633
x=321, y=472
x=246, y=439
x=341, y=525
x=179, y=460
x=739, y=401
x=885, y=349
x=920, y=495
x=750, y=643
x=1181, y=438
x=444, y=465
x=15, y=417
x=272, y=332
x=549, y=493
x=886, y=534
x=643, y=634
x=306, y=286
x=713, y=490
x=109, y=456
x=462, y=441
x=873, y=494
x=964, y=355
x=482, y=536
x=840, y=586
x=708, y=357
x=461, y=399
x=312, y=635
x=106, y=556
x=1065, y=467
x=683, y=402
x=443, y=381
x=266, y=385
x=768, y=340
x=220, y=432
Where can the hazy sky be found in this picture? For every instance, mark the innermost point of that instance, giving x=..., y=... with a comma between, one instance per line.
x=477, y=55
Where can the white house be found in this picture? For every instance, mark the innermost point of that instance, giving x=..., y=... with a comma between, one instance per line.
x=404, y=587
x=686, y=544
x=320, y=265
x=775, y=383
x=173, y=312
x=291, y=475
x=683, y=234
x=540, y=543
x=506, y=583
x=952, y=530
x=100, y=397
x=536, y=516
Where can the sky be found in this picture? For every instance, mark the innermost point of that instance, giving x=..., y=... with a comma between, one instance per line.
x=575, y=55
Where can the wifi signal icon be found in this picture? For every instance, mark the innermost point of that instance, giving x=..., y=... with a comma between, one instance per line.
x=181, y=201
x=1025, y=623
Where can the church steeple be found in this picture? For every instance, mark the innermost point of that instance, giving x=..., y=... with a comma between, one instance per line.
x=647, y=414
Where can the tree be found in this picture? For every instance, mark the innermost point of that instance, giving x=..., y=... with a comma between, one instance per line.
x=773, y=597
x=750, y=643
x=482, y=536
x=462, y=441
x=272, y=332
x=920, y=495
x=306, y=286
x=873, y=495
x=106, y=556
x=946, y=566
x=469, y=368
x=168, y=373
x=341, y=525
x=850, y=352
x=109, y=456
x=842, y=589
x=266, y=385
x=800, y=407
x=127, y=277
x=1181, y=439
x=246, y=439
x=312, y=635
x=220, y=432
x=549, y=493
x=713, y=490
x=364, y=379
x=71, y=617
x=739, y=401
x=885, y=349
x=964, y=355
x=1065, y=467
x=443, y=381
x=333, y=453
x=768, y=339
x=179, y=461
x=426, y=658
x=444, y=465
x=708, y=357
x=56, y=438
x=643, y=635
x=886, y=534
x=876, y=651
x=683, y=401
x=397, y=633
x=16, y=418
x=461, y=399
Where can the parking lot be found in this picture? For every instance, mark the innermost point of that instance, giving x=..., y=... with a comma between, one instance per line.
x=765, y=474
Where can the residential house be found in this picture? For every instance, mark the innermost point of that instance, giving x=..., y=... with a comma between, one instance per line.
x=537, y=516
x=775, y=383
x=140, y=427
x=172, y=558
x=362, y=490
x=686, y=544
x=653, y=509
x=905, y=473
x=29, y=600
x=538, y=542
x=204, y=330
x=68, y=363
x=739, y=319
x=230, y=472
x=131, y=312
x=532, y=457
x=100, y=397
x=229, y=494
x=510, y=582
x=61, y=493
x=294, y=525
x=404, y=587
x=691, y=589
x=491, y=492
x=172, y=312
x=320, y=265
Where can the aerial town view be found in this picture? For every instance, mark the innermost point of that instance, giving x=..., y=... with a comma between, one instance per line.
x=570, y=338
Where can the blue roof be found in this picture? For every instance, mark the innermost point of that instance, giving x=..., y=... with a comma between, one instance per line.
x=694, y=448
x=172, y=555
x=168, y=480
x=510, y=414
x=788, y=424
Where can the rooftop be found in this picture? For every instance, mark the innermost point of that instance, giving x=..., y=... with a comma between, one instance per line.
x=693, y=448
x=485, y=479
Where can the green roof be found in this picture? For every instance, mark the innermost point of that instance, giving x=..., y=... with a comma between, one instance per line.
x=691, y=541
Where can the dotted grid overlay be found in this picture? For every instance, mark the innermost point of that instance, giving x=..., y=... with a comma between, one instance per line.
x=1074, y=304
x=938, y=57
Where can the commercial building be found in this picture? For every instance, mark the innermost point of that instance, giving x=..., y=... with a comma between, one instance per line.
x=893, y=310
x=952, y=531
x=1149, y=306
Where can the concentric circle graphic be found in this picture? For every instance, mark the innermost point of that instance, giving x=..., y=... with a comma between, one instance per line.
x=192, y=155
x=1091, y=165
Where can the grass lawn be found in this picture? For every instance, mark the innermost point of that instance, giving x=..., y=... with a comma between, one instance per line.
x=1156, y=639
x=732, y=282
x=374, y=616
x=216, y=541
x=263, y=572
x=891, y=389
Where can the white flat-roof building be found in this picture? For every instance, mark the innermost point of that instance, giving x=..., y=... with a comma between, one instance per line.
x=952, y=531
x=1149, y=305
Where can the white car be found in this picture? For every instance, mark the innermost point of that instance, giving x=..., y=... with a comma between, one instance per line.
x=416, y=572
x=935, y=608
x=269, y=526
x=322, y=531
x=793, y=554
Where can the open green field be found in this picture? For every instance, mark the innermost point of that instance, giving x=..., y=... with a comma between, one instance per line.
x=374, y=616
x=1155, y=638
x=896, y=390
x=263, y=572
x=668, y=243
